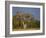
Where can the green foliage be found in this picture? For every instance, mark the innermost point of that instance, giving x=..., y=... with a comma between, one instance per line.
x=35, y=24
x=18, y=24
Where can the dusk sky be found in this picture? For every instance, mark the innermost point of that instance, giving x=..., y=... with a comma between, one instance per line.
x=34, y=11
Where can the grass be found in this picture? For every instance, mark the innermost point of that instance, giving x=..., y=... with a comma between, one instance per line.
x=26, y=29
